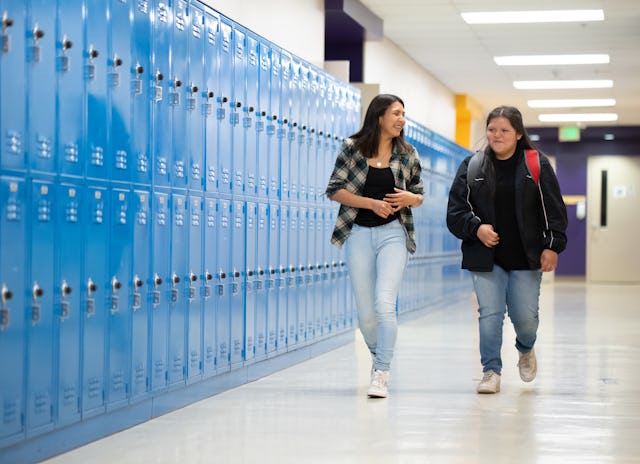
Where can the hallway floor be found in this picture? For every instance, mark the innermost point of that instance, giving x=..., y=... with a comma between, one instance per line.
x=583, y=408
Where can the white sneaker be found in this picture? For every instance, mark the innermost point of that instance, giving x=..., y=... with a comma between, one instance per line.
x=490, y=383
x=378, y=387
x=528, y=365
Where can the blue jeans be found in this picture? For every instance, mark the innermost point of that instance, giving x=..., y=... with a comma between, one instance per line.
x=377, y=260
x=516, y=291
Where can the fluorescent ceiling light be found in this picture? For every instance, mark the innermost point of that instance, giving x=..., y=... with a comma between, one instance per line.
x=571, y=103
x=577, y=117
x=538, y=60
x=549, y=16
x=564, y=84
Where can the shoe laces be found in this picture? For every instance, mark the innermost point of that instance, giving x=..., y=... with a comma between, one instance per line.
x=378, y=379
x=488, y=376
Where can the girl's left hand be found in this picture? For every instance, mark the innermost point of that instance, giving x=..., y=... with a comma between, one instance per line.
x=400, y=199
x=548, y=260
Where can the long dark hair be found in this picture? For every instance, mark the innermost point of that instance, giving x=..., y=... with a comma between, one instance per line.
x=367, y=138
x=513, y=115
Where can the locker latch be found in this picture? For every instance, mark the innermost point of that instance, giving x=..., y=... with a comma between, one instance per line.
x=7, y=22
x=36, y=293
x=207, y=107
x=90, y=67
x=4, y=311
x=221, y=276
x=155, y=294
x=193, y=278
x=191, y=101
x=63, y=59
x=91, y=302
x=206, y=287
x=115, y=300
x=65, y=290
x=34, y=49
x=114, y=75
x=137, y=298
x=175, y=280
x=137, y=81
x=157, y=87
x=175, y=96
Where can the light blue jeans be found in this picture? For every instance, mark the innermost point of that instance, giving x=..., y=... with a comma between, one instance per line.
x=377, y=260
x=518, y=293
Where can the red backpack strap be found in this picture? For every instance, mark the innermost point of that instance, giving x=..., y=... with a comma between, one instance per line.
x=533, y=164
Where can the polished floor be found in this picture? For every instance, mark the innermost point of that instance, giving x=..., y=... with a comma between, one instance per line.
x=583, y=408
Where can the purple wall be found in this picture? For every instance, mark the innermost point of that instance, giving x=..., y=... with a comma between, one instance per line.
x=571, y=168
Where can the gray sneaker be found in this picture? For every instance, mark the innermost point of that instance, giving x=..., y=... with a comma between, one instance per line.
x=378, y=387
x=490, y=383
x=528, y=365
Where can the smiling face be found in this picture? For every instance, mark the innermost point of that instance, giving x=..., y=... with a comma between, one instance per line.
x=502, y=137
x=392, y=121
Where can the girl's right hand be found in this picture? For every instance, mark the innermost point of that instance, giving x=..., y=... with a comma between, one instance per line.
x=487, y=235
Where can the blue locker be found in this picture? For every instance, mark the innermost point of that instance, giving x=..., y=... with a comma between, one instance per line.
x=97, y=303
x=181, y=94
x=285, y=124
x=141, y=106
x=251, y=112
x=271, y=279
x=302, y=274
x=237, y=283
x=95, y=70
x=12, y=320
x=274, y=123
x=119, y=78
x=197, y=100
x=178, y=289
x=211, y=89
x=68, y=294
x=159, y=288
x=309, y=260
x=225, y=98
x=264, y=118
x=69, y=96
x=239, y=76
x=251, y=280
x=262, y=278
x=40, y=314
x=162, y=89
x=141, y=282
x=194, y=288
x=329, y=311
x=293, y=287
x=222, y=295
x=41, y=86
x=13, y=143
x=119, y=291
x=209, y=287
x=319, y=240
x=283, y=277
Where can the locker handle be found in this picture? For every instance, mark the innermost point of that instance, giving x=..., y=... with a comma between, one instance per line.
x=209, y=94
x=274, y=117
x=208, y=276
x=194, y=88
x=66, y=290
x=237, y=104
x=177, y=83
x=157, y=280
x=6, y=294
x=37, y=33
x=293, y=269
x=263, y=113
x=283, y=270
x=175, y=279
x=302, y=268
x=193, y=277
x=250, y=273
x=137, y=282
x=222, y=275
x=313, y=131
x=295, y=124
x=116, y=284
x=223, y=99
x=236, y=274
x=91, y=287
x=117, y=61
x=260, y=272
x=66, y=44
x=159, y=76
x=37, y=291
x=6, y=21
x=139, y=69
x=93, y=53
x=272, y=271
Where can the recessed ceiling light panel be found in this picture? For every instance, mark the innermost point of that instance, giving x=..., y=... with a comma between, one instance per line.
x=576, y=117
x=544, y=60
x=545, y=16
x=572, y=103
x=564, y=84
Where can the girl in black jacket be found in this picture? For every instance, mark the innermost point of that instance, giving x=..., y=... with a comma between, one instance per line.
x=512, y=227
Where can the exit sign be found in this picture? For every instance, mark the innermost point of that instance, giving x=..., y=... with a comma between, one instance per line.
x=568, y=134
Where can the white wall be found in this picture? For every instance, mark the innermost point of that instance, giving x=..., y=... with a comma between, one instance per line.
x=298, y=26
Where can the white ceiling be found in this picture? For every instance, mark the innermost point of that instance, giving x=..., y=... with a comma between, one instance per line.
x=460, y=55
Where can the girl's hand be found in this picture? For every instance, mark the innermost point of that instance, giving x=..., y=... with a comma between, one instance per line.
x=402, y=199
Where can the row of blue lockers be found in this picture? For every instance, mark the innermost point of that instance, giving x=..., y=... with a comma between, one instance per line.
x=169, y=94
x=110, y=295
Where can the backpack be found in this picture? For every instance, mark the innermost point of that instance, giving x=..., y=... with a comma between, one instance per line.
x=532, y=158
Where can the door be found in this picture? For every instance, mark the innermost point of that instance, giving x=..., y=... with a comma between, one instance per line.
x=612, y=192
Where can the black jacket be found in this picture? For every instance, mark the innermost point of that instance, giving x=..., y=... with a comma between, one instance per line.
x=540, y=212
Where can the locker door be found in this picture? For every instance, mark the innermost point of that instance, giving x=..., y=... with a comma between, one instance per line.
x=251, y=113
x=162, y=140
x=274, y=134
x=141, y=106
x=313, y=109
x=194, y=289
x=12, y=320
x=223, y=313
x=119, y=65
x=264, y=115
x=160, y=293
x=209, y=287
x=141, y=282
x=41, y=85
x=181, y=94
x=97, y=292
x=329, y=289
x=285, y=125
x=119, y=290
x=310, y=272
x=224, y=99
x=13, y=143
x=282, y=282
x=211, y=89
x=318, y=300
x=250, y=272
x=273, y=212
x=196, y=101
x=302, y=277
x=70, y=217
x=178, y=289
x=261, y=288
x=293, y=287
x=238, y=105
x=238, y=282
x=40, y=316
x=95, y=81
x=69, y=97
